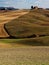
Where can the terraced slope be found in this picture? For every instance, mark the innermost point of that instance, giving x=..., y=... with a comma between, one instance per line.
x=33, y=24
x=7, y=16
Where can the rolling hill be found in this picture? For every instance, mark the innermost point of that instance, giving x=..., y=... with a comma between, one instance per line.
x=7, y=16
x=33, y=24
x=25, y=27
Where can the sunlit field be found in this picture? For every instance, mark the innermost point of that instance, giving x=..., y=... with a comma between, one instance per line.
x=24, y=37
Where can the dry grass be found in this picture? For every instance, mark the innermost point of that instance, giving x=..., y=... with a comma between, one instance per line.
x=35, y=22
x=26, y=51
x=21, y=52
x=7, y=17
x=24, y=56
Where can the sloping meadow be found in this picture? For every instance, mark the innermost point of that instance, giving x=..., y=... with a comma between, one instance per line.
x=30, y=28
x=33, y=24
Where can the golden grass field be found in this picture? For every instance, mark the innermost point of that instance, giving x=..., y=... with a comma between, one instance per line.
x=32, y=28
x=12, y=53
x=35, y=22
x=7, y=17
x=25, y=50
x=24, y=56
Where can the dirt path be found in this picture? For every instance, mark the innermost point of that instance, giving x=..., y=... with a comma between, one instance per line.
x=7, y=17
x=24, y=56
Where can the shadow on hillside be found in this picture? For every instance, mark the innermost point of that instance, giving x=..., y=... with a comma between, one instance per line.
x=31, y=42
x=47, y=15
x=12, y=37
x=7, y=38
x=28, y=41
x=32, y=36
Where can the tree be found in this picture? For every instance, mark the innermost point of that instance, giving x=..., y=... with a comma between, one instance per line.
x=32, y=7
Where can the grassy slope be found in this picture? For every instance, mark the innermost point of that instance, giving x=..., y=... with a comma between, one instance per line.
x=7, y=16
x=35, y=22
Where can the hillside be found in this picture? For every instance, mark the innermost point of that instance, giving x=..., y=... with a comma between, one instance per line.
x=33, y=24
x=7, y=16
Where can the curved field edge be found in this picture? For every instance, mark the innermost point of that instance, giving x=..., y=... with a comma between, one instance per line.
x=7, y=16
